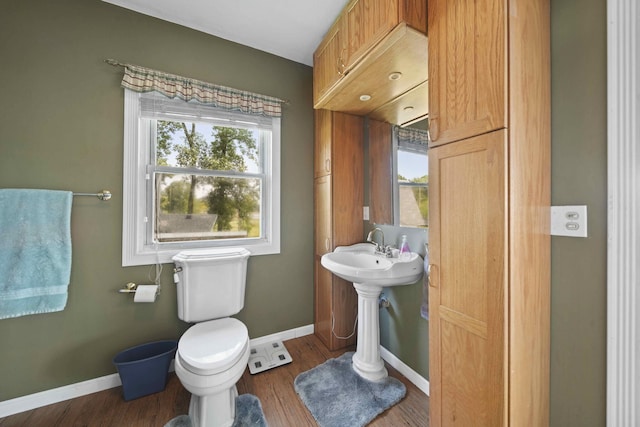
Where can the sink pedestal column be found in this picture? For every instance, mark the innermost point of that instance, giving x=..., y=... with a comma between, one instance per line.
x=367, y=361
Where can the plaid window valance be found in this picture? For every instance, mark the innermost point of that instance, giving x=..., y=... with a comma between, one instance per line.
x=411, y=139
x=141, y=79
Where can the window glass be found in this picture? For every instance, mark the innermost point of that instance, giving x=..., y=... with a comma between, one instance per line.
x=413, y=188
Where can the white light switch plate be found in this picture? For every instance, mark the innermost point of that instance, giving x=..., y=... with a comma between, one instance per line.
x=365, y=213
x=570, y=221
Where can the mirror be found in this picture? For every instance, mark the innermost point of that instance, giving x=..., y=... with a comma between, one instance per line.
x=398, y=175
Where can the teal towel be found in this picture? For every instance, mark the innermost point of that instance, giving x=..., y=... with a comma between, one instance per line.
x=35, y=251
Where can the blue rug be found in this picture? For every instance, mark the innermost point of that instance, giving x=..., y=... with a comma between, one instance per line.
x=337, y=396
x=248, y=414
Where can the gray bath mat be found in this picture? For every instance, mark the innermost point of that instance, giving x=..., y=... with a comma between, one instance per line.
x=248, y=414
x=338, y=397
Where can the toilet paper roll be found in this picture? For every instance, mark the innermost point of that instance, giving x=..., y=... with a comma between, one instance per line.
x=145, y=293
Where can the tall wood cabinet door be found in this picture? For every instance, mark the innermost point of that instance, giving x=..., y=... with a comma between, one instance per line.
x=322, y=145
x=467, y=290
x=467, y=68
x=322, y=215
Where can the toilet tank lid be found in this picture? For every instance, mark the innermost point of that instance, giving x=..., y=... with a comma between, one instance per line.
x=209, y=253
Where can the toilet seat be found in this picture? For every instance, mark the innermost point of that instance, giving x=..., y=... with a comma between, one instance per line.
x=214, y=346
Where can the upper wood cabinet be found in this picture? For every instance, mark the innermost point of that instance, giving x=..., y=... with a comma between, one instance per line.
x=369, y=42
x=368, y=21
x=467, y=68
x=329, y=60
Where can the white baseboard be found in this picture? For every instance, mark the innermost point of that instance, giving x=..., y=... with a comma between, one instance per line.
x=60, y=394
x=283, y=336
x=55, y=395
x=418, y=380
x=71, y=391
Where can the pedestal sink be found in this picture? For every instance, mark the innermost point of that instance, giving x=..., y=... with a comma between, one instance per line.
x=370, y=272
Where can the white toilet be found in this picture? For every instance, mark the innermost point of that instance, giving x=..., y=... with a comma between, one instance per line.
x=212, y=354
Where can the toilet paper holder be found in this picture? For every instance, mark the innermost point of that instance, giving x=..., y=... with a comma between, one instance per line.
x=130, y=288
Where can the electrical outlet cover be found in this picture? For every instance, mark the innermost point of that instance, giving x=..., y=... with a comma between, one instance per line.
x=569, y=221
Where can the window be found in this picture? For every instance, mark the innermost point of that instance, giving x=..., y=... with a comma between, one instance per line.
x=412, y=184
x=197, y=176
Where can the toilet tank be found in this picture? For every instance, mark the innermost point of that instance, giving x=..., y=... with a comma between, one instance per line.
x=210, y=282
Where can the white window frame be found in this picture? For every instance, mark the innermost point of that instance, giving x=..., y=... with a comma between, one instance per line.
x=137, y=199
x=415, y=148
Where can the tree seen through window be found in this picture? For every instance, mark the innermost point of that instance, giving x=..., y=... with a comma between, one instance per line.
x=218, y=195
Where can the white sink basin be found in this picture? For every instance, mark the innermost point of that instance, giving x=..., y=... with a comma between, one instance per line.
x=369, y=273
x=360, y=264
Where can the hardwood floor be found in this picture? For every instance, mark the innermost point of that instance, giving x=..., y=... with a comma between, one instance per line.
x=282, y=406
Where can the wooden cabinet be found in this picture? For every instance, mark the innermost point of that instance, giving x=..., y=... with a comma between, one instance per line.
x=489, y=172
x=467, y=313
x=368, y=21
x=338, y=198
x=329, y=60
x=368, y=42
x=467, y=68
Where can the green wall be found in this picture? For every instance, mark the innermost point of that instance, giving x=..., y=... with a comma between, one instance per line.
x=61, y=127
x=579, y=177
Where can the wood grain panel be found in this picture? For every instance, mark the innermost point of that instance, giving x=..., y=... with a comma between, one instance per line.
x=371, y=75
x=368, y=21
x=529, y=195
x=467, y=326
x=322, y=144
x=348, y=179
x=322, y=215
x=467, y=68
x=329, y=60
x=345, y=307
x=323, y=302
x=338, y=201
x=414, y=13
x=380, y=173
x=407, y=108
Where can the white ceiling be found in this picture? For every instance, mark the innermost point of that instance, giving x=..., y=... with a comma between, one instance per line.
x=291, y=29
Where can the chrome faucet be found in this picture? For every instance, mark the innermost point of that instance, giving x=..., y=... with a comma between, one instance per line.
x=380, y=247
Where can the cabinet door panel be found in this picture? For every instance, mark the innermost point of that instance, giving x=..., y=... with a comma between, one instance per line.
x=368, y=21
x=323, y=302
x=322, y=145
x=467, y=299
x=467, y=68
x=322, y=215
x=329, y=61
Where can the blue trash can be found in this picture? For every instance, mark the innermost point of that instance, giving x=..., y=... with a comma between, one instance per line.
x=143, y=369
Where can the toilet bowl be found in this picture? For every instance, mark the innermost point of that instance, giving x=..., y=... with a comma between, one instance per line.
x=211, y=358
x=213, y=353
